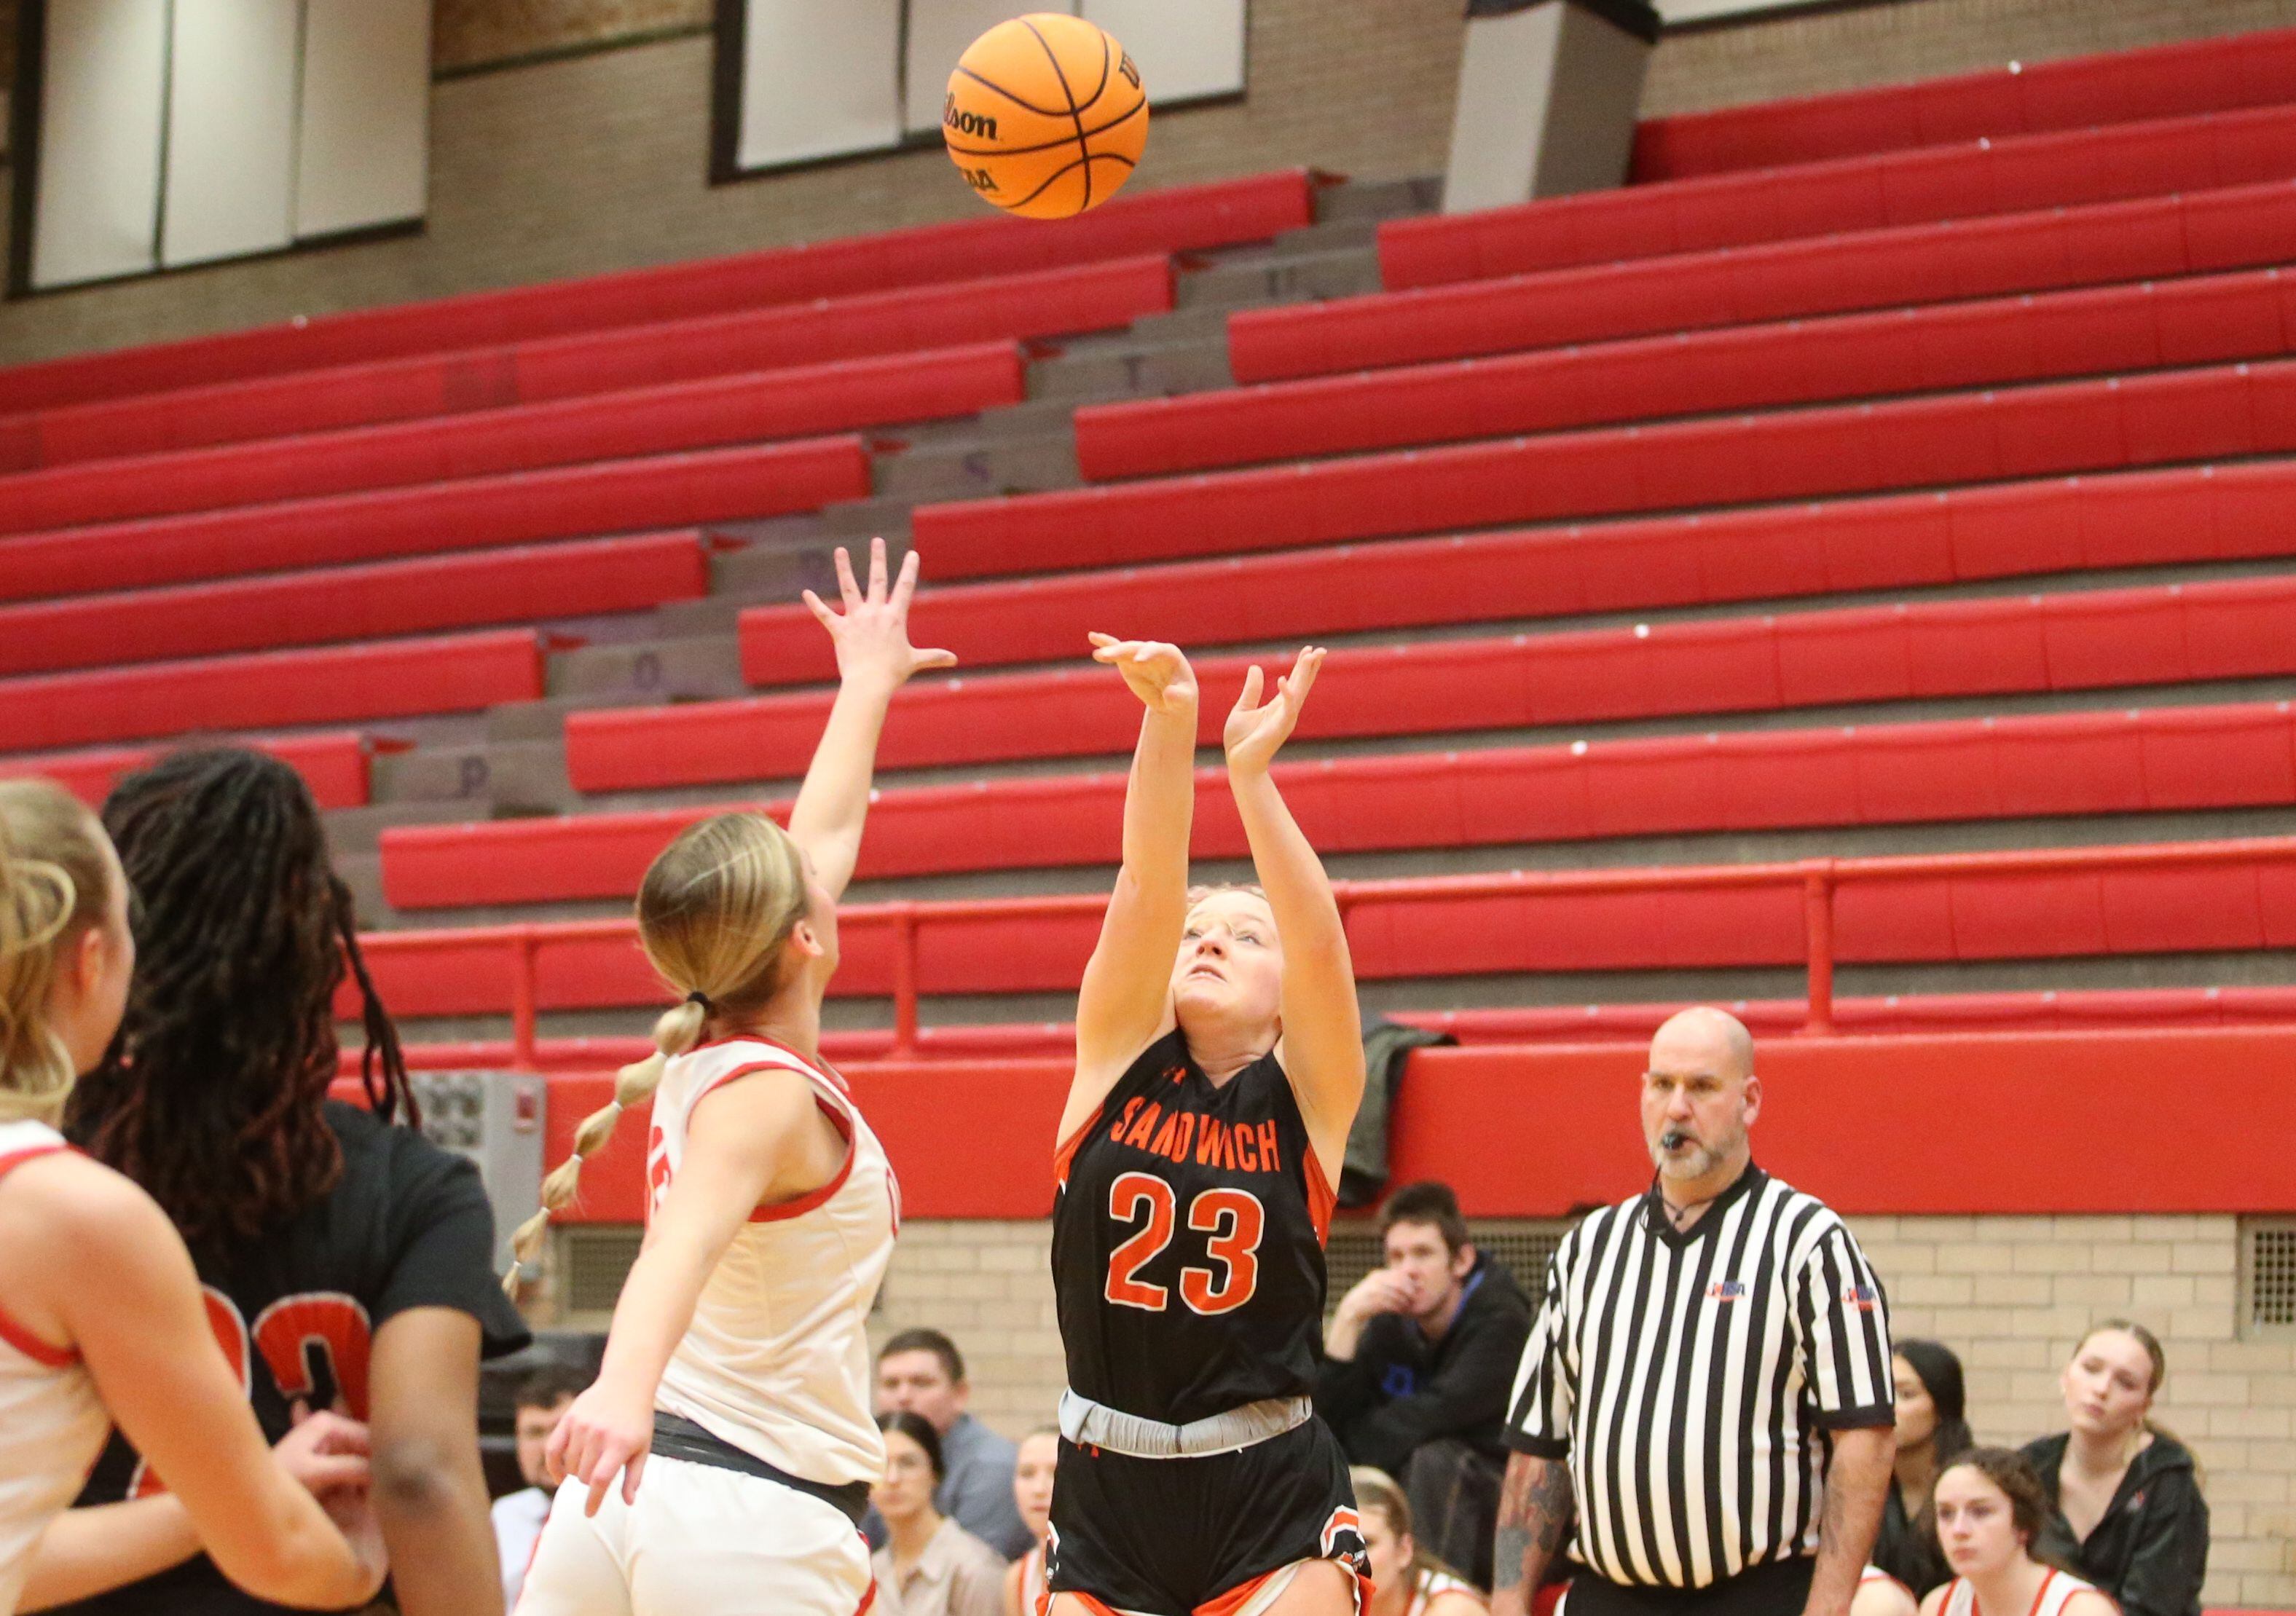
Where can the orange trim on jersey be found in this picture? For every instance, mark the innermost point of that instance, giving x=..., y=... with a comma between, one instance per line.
x=839, y=1120
x=868, y=1598
x=1065, y=1152
x=1323, y=1200
x=11, y=1330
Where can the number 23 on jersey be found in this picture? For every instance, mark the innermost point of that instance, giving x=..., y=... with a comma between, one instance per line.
x=1233, y=1219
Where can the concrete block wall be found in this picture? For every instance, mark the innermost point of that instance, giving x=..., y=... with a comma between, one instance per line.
x=2012, y=1295
x=547, y=164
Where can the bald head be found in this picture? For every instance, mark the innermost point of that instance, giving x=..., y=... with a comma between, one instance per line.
x=1704, y=1039
x=1699, y=1094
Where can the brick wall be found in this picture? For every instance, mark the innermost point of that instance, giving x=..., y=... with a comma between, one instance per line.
x=2012, y=1295
x=596, y=161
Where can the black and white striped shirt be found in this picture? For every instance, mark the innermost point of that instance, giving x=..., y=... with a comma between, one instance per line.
x=1687, y=1377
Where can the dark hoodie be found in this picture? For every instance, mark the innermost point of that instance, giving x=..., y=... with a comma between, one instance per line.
x=2151, y=1550
x=1401, y=1390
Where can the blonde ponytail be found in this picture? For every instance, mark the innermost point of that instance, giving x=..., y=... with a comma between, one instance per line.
x=714, y=911
x=55, y=880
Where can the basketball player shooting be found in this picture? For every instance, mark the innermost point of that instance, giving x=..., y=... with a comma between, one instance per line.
x=1219, y=1063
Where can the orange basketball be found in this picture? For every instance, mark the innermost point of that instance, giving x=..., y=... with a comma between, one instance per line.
x=1045, y=115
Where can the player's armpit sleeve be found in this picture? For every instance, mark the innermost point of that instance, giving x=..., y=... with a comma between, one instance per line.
x=443, y=1254
x=1842, y=1320
x=1545, y=1399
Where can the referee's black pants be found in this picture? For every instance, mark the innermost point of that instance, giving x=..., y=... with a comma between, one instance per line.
x=1777, y=1589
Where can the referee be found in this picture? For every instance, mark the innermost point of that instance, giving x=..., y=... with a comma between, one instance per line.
x=1703, y=1413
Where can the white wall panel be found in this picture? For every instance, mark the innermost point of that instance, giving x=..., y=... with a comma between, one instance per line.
x=1184, y=49
x=233, y=78
x=939, y=32
x=363, y=154
x=104, y=96
x=819, y=80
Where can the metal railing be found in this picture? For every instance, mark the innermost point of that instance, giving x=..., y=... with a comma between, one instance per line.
x=1819, y=880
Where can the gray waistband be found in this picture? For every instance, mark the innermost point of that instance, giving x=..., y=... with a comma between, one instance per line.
x=1090, y=1424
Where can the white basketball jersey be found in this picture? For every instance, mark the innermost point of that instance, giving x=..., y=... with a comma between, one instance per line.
x=2057, y=1588
x=1438, y=1582
x=777, y=1361
x=52, y=1424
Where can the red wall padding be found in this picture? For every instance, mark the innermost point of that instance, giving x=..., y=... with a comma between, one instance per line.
x=1954, y=437
x=2165, y=81
x=752, y=408
x=1049, y=303
x=396, y=679
x=2070, y=524
x=2124, y=329
x=1179, y=219
x=1938, y=909
x=526, y=585
x=1963, y=181
x=1526, y=1131
x=333, y=765
x=2245, y=226
x=713, y=485
x=2158, y=635
x=2031, y=766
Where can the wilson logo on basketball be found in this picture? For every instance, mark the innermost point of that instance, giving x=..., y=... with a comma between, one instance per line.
x=966, y=123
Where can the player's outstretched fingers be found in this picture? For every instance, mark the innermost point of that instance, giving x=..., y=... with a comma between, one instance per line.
x=905, y=586
x=876, y=569
x=846, y=586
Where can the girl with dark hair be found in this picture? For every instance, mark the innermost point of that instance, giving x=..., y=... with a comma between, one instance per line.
x=1990, y=1511
x=347, y=1260
x=2124, y=1495
x=929, y=1565
x=1932, y=1431
x=103, y=1323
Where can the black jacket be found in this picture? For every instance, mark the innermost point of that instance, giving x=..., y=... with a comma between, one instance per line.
x=2151, y=1550
x=1401, y=1390
x=1905, y=1550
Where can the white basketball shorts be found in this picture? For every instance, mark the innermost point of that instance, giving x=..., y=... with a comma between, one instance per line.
x=699, y=1541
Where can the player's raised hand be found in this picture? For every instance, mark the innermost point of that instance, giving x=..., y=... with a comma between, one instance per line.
x=1157, y=673
x=1255, y=729
x=872, y=634
x=602, y=1435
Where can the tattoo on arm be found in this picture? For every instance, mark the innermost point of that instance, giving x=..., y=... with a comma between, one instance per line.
x=1535, y=1513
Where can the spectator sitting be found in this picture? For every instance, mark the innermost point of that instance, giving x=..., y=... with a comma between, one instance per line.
x=929, y=1565
x=2125, y=1496
x=1032, y=1490
x=1418, y=1361
x=1405, y=1579
x=920, y=1372
x=518, y=1517
x=1990, y=1513
x=1932, y=1431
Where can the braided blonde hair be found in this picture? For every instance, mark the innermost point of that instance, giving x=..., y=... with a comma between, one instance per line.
x=55, y=880
x=715, y=911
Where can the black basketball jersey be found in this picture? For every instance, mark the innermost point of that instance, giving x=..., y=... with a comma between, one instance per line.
x=1188, y=1242
x=407, y=1226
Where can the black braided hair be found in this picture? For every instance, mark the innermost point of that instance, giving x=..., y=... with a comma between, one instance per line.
x=210, y=1096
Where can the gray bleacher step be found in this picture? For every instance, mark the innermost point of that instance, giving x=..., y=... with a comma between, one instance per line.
x=699, y=667
x=1100, y=376
x=862, y=519
x=479, y=778
x=362, y=872
x=1014, y=466
x=1379, y=199
x=1342, y=272
x=358, y=830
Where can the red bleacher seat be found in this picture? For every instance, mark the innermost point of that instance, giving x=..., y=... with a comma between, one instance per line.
x=333, y=765
x=1095, y=298
x=1961, y=181
x=2133, y=518
x=524, y=585
x=750, y=408
x=1953, y=437
x=2087, y=332
x=2162, y=635
x=659, y=491
x=1219, y=214
x=1969, y=769
x=339, y=685
x=2166, y=81
x=1962, y=908
x=2243, y=227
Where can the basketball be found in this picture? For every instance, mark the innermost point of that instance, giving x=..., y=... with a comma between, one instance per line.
x=1045, y=115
